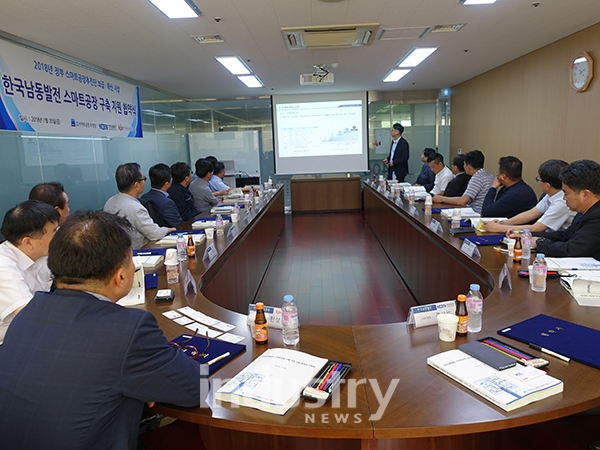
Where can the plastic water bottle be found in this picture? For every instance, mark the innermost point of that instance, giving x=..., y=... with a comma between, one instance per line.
x=220, y=226
x=270, y=182
x=428, y=203
x=411, y=195
x=475, y=308
x=526, y=243
x=291, y=325
x=181, y=247
x=539, y=271
x=236, y=208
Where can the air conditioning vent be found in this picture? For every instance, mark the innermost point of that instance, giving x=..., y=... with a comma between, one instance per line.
x=212, y=39
x=447, y=28
x=329, y=36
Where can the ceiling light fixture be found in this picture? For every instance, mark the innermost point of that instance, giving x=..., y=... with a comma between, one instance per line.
x=234, y=64
x=251, y=81
x=416, y=56
x=395, y=75
x=177, y=9
x=477, y=2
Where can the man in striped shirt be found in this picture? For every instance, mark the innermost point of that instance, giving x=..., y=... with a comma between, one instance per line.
x=479, y=184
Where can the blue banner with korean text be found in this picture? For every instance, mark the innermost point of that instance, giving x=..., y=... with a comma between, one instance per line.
x=42, y=94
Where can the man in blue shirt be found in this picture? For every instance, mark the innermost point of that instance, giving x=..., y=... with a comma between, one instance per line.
x=508, y=195
x=216, y=184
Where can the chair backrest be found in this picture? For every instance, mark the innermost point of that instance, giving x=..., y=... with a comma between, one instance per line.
x=154, y=212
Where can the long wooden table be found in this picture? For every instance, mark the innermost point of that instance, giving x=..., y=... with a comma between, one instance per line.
x=426, y=409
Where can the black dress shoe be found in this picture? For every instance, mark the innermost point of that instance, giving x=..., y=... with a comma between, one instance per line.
x=595, y=445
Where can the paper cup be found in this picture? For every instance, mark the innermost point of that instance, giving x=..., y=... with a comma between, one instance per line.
x=235, y=217
x=210, y=233
x=530, y=270
x=511, y=248
x=447, y=324
x=171, y=257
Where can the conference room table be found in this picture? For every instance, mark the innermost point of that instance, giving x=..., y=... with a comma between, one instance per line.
x=391, y=398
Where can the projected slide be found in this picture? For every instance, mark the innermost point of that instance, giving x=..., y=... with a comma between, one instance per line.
x=331, y=128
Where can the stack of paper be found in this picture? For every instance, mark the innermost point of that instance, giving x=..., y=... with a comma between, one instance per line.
x=464, y=212
x=573, y=264
x=583, y=285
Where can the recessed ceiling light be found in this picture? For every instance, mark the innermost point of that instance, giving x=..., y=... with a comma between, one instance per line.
x=416, y=56
x=177, y=9
x=251, y=81
x=395, y=75
x=478, y=2
x=234, y=64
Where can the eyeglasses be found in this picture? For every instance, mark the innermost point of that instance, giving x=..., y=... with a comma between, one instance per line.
x=191, y=350
x=141, y=179
x=538, y=179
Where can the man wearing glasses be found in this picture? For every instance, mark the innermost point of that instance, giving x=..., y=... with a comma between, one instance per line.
x=130, y=182
x=551, y=213
x=75, y=367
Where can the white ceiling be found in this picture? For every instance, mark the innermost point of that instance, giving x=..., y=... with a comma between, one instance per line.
x=133, y=38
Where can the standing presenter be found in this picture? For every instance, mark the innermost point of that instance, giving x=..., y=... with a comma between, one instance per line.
x=398, y=157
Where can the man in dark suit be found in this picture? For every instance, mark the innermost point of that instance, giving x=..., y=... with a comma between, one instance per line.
x=75, y=367
x=160, y=180
x=581, y=185
x=397, y=160
x=458, y=185
x=179, y=192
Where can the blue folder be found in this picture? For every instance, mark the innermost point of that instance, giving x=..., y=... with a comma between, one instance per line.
x=217, y=348
x=488, y=239
x=565, y=338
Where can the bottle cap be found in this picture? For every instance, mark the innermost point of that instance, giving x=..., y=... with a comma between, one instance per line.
x=540, y=255
x=288, y=298
x=461, y=298
x=260, y=305
x=526, y=230
x=179, y=234
x=475, y=287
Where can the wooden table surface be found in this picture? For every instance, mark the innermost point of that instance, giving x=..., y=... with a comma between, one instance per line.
x=425, y=405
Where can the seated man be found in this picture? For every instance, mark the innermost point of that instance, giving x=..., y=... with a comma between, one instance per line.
x=457, y=186
x=179, y=192
x=203, y=197
x=443, y=175
x=216, y=184
x=76, y=368
x=581, y=186
x=54, y=194
x=551, y=212
x=28, y=228
x=478, y=185
x=160, y=180
x=426, y=177
x=509, y=195
x=130, y=182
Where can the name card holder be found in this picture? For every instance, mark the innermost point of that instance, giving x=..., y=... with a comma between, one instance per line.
x=470, y=249
x=272, y=314
x=426, y=315
x=232, y=232
x=210, y=253
x=436, y=227
x=413, y=211
x=504, y=276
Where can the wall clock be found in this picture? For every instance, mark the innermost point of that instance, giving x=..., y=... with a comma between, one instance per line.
x=582, y=71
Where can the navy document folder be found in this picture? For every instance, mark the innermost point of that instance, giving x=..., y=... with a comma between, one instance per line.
x=565, y=338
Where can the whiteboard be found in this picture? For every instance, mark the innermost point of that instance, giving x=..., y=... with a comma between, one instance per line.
x=241, y=147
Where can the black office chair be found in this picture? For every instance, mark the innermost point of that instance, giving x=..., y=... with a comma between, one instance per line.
x=154, y=212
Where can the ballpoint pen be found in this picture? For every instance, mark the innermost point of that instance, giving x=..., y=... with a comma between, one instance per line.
x=218, y=358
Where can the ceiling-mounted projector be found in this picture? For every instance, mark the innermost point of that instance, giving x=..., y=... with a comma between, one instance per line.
x=312, y=79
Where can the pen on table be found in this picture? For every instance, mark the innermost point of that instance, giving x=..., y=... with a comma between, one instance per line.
x=147, y=253
x=339, y=374
x=218, y=358
x=500, y=250
x=334, y=372
x=549, y=352
x=326, y=376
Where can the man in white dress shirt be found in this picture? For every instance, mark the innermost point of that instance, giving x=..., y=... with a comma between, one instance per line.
x=28, y=229
x=443, y=175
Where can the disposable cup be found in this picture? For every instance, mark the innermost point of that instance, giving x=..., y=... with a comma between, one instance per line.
x=210, y=233
x=447, y=324
x=235, y=217
x=171, y=257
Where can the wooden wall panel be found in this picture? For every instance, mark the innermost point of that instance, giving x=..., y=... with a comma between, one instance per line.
x=528, y=109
